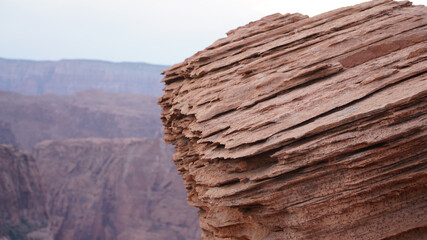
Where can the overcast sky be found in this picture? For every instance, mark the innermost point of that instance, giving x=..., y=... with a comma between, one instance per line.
x=154, y=31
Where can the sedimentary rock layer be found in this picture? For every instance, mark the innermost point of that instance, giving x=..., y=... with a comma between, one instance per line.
x=23, y=213
x=115, y=189
x=307, y=128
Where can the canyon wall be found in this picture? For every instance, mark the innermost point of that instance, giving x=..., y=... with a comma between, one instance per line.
x=91, y=113
x=70, y=76
x=115, y=189
x=307, y=128
x=6, y=134
x=23, y=214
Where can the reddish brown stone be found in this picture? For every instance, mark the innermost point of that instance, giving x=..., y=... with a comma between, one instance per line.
x=307, y=128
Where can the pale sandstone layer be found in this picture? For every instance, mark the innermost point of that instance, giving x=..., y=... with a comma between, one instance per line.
x=23, y=214
x=114, y=189
x=307, y=128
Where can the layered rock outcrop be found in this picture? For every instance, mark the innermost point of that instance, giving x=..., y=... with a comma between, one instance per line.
x=23, y=214
x=91, y=113
x=115, y=189
x=307, y=128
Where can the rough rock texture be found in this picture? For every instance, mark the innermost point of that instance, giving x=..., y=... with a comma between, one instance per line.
x=70, y=76
x=91, y=113
x=23, y=214
x=6, y=134
x=307, y=128
x=115, y=189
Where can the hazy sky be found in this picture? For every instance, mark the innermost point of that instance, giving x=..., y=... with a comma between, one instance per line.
x=154, y=31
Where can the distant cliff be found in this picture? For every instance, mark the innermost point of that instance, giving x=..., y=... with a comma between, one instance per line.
x=115, y=189
x=6, y=134
x=70, y=76
x=23, y=215
x=307, y=128
x=91, y=113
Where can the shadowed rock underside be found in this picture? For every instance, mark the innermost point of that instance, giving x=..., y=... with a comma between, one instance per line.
x=307, y=128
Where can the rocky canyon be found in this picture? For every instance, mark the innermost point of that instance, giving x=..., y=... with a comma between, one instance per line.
x=118, y=189
x=6, y=134
x=88, y=165
x=23, y=213
x=94, y=188
x=296, y=127
x=91, y=113
x=70, y=76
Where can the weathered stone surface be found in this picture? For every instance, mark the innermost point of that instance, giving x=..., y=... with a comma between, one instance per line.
x=23, y=214
x=307, y=128
x=115, y=189
x=91, y=113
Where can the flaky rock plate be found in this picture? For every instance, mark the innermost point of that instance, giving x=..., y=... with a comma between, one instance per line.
x=307, y=128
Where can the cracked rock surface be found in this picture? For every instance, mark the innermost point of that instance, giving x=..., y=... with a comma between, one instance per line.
x=307, y=128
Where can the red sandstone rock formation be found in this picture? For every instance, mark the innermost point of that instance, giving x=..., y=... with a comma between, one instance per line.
x=115, y=189
x=307, y=128
x=91, y=113
x=23, y=212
